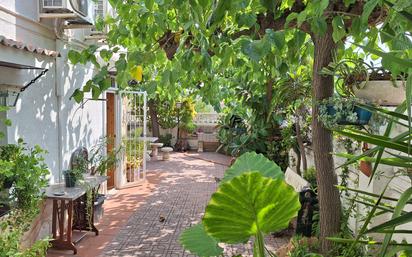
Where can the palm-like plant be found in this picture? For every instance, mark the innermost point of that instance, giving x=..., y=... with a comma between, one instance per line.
x=399, y=150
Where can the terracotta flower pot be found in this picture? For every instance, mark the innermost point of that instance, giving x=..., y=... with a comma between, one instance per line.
x=366, y=168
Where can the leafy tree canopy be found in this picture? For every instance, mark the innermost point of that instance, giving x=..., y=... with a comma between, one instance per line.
x=209, y=47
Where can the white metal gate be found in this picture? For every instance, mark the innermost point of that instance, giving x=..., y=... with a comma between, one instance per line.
x=132, y=127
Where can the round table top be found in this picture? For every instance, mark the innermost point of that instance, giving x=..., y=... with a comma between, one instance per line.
x=150, y=139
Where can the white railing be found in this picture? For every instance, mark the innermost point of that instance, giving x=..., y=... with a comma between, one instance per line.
x=204, y=118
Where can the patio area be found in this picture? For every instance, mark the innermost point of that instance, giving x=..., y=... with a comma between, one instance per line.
x=147, y=220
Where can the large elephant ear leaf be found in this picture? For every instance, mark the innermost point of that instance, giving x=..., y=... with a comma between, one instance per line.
x=250, y=204
x=256, y=162
x=196, y=241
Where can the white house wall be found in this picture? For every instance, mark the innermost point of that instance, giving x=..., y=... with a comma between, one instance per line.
x=45, y=114
x=83, y=125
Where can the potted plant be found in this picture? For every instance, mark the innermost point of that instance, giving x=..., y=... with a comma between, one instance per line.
x=343, y=111
x=79, y=164
x=365, y=166
x=362, y=80
x=71, y=177
x=101, y=160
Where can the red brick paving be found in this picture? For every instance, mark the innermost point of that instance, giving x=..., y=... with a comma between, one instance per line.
x=176, y=191
x=117, y=210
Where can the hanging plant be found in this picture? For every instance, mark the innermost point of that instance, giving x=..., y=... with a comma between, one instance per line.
x=355, y=77
x=342, y=111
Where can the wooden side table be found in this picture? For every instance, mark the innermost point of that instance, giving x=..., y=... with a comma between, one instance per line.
x=63, y=203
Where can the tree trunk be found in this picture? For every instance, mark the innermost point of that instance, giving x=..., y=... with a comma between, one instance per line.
x=301, y=148
x=328, y=194
x=299, y=140
x=299, y=160
x=153, y=118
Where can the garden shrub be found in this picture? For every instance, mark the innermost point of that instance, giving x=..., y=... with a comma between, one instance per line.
x=29, y=172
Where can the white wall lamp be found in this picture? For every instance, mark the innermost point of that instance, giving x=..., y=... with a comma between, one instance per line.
x=8, y=98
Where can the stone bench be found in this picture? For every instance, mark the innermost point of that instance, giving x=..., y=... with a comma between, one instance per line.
x=297, y=182
x=166, y=152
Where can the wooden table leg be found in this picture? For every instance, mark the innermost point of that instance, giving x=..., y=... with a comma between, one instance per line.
x=63, y=240
x=69, y=221
x=94, y=196
x=54, y=219
x=62, y=218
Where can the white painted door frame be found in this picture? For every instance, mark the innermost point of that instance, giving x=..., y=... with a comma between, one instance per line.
x=129, y=121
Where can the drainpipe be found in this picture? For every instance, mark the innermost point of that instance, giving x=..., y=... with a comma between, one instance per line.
x=59, y=92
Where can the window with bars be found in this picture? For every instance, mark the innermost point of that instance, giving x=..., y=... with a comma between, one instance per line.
x=99, y=13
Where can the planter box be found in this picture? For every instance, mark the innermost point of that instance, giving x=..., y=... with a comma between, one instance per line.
x=193, y=143
x=382, y=92
x=98, y=207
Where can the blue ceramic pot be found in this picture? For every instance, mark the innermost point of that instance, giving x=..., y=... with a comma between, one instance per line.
x=363, y=115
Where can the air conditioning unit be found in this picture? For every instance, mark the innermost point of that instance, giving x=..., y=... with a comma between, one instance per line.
x=73, y=11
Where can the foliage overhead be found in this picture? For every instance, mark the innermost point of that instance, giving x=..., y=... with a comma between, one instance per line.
x=181, y=45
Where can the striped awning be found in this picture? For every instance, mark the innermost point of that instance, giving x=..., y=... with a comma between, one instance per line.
x=30, y=48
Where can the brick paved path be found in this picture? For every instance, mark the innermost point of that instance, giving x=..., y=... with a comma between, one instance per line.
x=177, y=202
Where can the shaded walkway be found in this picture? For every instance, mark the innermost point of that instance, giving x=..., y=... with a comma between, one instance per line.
x=176, y=203
x=118, y=208
x=146, y=221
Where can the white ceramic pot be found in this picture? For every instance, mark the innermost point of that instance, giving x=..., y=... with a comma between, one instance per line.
x=382, y=92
